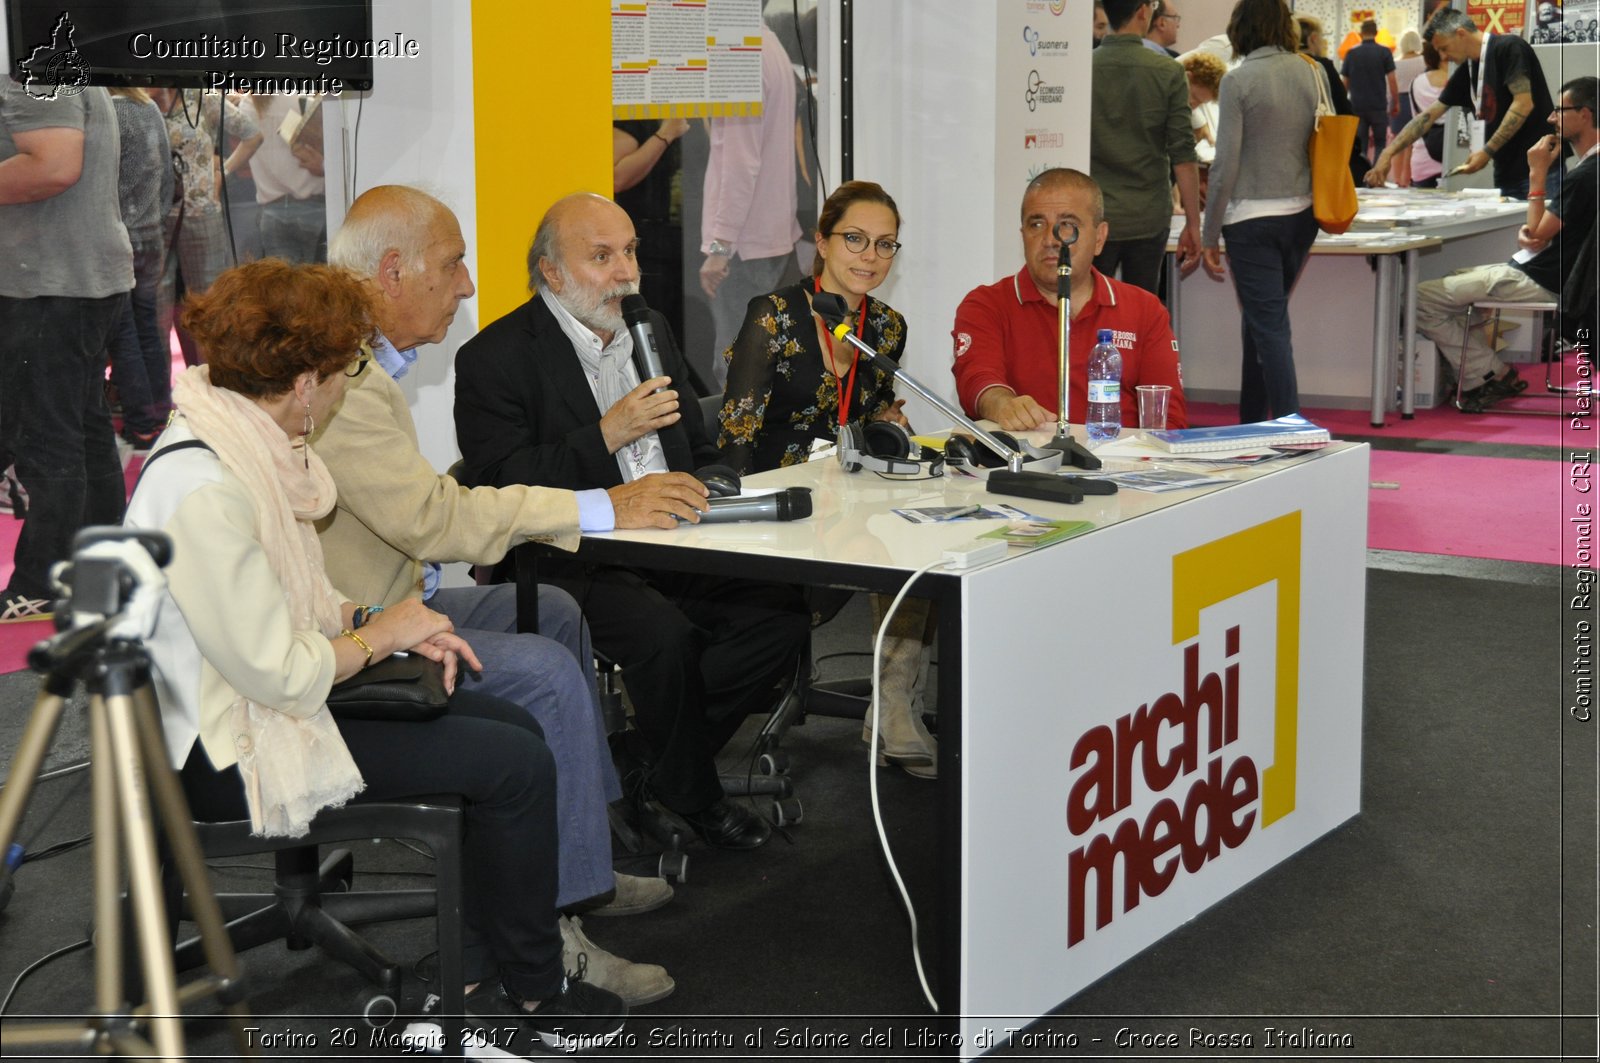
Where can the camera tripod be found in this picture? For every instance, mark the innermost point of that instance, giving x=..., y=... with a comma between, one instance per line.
x=128, y=766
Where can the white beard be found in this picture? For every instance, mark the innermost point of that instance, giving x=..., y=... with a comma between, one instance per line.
x=595, y=309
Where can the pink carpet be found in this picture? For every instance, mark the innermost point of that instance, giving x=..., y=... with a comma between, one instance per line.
x=1447, y=423
x=1508, y=509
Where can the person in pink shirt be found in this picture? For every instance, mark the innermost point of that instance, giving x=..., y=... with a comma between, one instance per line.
x=748, y=229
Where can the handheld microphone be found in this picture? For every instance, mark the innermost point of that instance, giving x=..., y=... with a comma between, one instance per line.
x=792, y=503
x=646, y=356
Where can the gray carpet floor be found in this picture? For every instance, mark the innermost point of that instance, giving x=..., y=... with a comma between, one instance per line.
x=1453, y=919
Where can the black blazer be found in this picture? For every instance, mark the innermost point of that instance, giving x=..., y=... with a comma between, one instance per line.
x=525, y=414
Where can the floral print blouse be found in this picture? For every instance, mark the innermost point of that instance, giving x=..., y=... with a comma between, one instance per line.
x=780, y=395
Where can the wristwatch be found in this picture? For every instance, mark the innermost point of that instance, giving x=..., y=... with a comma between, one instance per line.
x=717, y=247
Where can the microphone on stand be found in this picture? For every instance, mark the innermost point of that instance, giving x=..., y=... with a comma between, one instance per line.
x=1072, y=452
x=646, y=355
x=792, y=503
x=833, y=311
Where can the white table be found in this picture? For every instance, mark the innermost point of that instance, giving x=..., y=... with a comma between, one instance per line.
x=1339, y=302
x=1048, y=656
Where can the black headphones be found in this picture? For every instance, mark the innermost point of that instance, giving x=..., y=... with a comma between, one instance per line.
x=883, y=447
x=964, y=450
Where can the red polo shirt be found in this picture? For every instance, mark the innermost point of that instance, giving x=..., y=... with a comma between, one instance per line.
x=1006, y=335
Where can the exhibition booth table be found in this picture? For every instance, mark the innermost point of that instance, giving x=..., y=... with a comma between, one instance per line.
x=1133, y=722
x=1350, y=315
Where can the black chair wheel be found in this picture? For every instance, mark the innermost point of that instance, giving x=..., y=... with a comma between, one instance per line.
x=787, y=811
x=674, y=867
x=773, y=763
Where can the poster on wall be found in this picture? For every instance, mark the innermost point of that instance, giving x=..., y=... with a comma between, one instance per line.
x=1042, y=78
x=1555, y=22
x=685, y=58
x=1497, y=16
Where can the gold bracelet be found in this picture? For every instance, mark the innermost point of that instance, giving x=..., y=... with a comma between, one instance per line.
x=359, y=641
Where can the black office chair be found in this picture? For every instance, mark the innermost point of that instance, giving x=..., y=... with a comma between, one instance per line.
x=311, y=903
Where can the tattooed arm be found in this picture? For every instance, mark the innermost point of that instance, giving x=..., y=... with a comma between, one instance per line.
x=1403, y=140
x=1516, y=114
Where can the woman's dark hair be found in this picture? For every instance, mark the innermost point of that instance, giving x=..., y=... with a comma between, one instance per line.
x=843, y=198
x=1431, y=56
x=264, y=323
x=1260, y=24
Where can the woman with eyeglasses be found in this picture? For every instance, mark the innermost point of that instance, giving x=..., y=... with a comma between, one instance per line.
x=790, y=384
x=789, y=381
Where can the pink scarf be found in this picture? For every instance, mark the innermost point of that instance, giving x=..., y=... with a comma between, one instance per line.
x=295, y=766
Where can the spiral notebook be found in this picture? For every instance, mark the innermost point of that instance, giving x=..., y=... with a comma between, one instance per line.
x=1283, y=431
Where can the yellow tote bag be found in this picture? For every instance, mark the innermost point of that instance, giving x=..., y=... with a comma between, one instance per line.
x=1333, y=187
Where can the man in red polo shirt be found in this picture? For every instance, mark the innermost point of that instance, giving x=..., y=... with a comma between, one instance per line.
x=1006, y=333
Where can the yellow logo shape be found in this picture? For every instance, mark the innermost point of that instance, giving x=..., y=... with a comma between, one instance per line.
x=1224, y=569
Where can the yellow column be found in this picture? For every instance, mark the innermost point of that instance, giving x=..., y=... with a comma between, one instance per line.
x=541, y=83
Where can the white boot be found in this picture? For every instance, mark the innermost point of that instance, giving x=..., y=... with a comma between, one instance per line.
x=903, y=740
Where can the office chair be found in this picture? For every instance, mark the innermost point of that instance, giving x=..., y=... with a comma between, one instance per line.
x=311, y=903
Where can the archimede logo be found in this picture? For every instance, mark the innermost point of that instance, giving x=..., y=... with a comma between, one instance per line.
x=1211, y=798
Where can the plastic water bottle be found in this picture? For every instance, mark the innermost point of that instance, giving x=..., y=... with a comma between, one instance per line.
x=1105, y=390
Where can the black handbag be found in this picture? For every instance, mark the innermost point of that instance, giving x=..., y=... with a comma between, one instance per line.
x=403, y=686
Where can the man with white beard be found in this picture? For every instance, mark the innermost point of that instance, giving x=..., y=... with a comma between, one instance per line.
x=548, y=395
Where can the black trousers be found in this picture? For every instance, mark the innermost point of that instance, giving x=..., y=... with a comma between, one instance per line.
x=493, y=754
x=698, y=654
x=1142, y=261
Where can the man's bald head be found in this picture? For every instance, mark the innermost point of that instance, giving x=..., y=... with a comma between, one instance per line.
x=564, y=214
x=407, y=246
x=385, y=218
x=584, y=253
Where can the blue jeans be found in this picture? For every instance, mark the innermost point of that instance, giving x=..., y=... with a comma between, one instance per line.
x=1266, y=256
x=295, y=230
x=55, y=425
x=551, y=675
x=1519, y=189
x=1371, y=129
x=141, y=365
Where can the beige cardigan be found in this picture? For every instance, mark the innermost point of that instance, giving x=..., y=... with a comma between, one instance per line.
x=395, y=511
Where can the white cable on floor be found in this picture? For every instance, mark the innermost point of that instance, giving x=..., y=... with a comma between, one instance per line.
x=872, y=776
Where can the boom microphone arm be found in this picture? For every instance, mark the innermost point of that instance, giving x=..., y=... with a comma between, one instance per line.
x=834, y=312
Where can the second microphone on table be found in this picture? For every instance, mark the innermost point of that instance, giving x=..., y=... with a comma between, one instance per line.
x=791, y=503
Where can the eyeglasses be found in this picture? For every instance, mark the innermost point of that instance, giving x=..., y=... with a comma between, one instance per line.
x=857, y=243
x=360, y=366
x=1560, y=107
x=1175, y=18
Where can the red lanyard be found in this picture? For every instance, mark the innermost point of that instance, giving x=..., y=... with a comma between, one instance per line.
x=849, y=387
